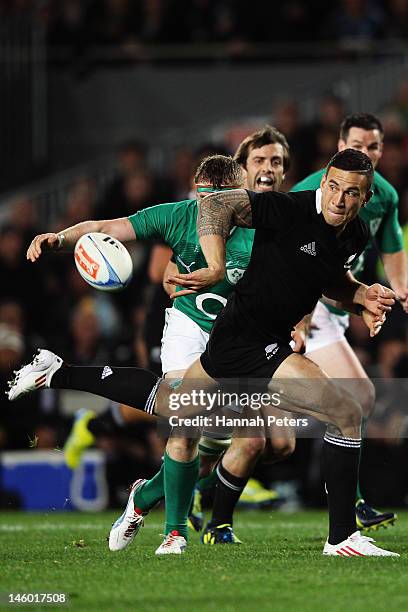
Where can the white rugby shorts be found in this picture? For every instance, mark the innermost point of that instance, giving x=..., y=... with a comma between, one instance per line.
x=330, y=328
x=183, y=341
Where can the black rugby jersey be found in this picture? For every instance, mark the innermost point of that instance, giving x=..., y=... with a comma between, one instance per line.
x=296, y=256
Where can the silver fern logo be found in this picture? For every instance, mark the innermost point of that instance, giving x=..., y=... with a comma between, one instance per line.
x=271, y=350
x=106, y=372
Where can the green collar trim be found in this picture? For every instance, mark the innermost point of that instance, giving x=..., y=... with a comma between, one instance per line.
x=213, y=189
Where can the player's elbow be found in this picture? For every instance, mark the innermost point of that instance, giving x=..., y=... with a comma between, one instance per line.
x=121, y=229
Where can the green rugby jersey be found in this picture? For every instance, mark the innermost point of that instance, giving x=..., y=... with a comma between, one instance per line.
x=380, y=214
x=175, y=224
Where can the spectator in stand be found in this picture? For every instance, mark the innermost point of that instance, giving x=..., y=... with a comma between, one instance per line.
x=401, y=104
x=139, y=191
x=354, y=21
x=134, y=187
x=326, y=139
x=180, y=174
x=65, y=21
x=393, y=164
x=17, y=428
x=159, y=22
x=14, y=316
x=110, y=22
x=80, y=202
x=297, y=21
x=286, y=118
x=317, y=136
x=331, y=112
x=24, y=217
x=19, y=281
x=87, y=346
x=396, y=25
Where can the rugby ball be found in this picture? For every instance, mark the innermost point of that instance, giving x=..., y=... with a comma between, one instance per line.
x=103, y=262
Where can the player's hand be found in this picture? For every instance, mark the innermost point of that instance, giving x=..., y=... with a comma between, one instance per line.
x=307, y=326
x=402, y=297
x=301, y=332
x=298, y=339
x=373, y=322
x=195, y=281
x=41, y=243
x=379, y=299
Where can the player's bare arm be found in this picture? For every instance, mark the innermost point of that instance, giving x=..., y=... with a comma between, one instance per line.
x=158, y=262
x=396, y=270
x=170, y=271
x=376, y=298
x=121, y=229
x=217, y=214
x=373, y=322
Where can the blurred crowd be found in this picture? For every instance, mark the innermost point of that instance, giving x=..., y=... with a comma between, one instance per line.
x=128, y=25
x=47, y=304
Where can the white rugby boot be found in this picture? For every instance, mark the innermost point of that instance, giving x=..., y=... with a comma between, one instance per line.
x=173, y=544
x=357, y=545
x=126, y=528
x=35, y=375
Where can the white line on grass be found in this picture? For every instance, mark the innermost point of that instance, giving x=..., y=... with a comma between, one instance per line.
x=60, y=526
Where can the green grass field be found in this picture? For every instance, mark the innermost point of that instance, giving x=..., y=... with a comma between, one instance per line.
x=279, y=566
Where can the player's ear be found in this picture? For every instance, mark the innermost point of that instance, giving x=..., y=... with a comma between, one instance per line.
x=341, y=145
x=244, y=176
x=323, y=181
x=367, y=197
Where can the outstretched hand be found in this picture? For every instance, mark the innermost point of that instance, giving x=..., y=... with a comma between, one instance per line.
x=195, y=281
x=379, y=299
x=373, y=322
x=40, y=243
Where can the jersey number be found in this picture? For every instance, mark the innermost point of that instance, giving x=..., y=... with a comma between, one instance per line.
x=209, y=296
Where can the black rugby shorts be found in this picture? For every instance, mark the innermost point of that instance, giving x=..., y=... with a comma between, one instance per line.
x=232, y=353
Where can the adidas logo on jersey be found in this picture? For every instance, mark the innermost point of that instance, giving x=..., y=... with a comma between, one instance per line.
x=310, y=248
x=106, y=372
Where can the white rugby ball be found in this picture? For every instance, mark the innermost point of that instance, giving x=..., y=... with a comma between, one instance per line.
x=103, y=262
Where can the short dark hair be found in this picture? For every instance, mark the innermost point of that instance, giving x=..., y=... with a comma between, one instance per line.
x=219, y=170
x=365, y=121
x=267, y=135
x=352, y=160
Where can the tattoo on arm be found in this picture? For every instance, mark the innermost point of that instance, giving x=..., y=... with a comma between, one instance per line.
x=220, y=211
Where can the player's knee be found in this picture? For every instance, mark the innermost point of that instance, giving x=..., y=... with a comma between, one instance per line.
x=252, y=447
x=367, y=398
x=349, y=414
x=282, y=448
x=182, y=449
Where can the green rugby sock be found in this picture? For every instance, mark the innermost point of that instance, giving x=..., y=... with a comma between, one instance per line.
x=148, y=495
x=179, y=481
x=359, y=495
